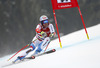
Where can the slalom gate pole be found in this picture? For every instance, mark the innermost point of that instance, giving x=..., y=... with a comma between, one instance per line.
x=18, y=52
x=83, y=22
x=57, y=28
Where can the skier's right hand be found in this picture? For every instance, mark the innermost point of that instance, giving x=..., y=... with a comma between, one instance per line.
x=43, y=34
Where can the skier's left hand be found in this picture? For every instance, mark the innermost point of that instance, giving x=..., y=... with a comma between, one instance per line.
x=52, y=35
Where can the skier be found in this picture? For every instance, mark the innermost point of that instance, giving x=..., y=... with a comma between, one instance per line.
x=44, y=32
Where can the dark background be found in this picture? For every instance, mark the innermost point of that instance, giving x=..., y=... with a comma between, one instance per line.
x=18, y=20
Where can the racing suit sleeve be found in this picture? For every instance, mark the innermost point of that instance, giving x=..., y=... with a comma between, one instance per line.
x=38, y=29
x=52, y=31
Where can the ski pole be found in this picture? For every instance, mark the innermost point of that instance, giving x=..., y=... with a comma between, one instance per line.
x=46, y=47
x=18, y=51
x=22, y=49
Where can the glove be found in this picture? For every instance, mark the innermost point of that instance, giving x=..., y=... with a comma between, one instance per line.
x=51, y=35
x=43, y=34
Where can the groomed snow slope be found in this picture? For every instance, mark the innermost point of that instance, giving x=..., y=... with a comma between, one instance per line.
x=77, y=52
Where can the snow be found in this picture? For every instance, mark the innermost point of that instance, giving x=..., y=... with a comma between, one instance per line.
x=77, y=52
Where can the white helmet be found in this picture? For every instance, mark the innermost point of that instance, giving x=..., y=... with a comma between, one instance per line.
x=43, y=17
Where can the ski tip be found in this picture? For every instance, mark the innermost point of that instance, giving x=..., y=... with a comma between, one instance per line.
x=53, y=50
x=33, y=57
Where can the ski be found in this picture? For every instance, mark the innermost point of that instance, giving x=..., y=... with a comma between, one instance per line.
x=47, y=52
x=17, y=61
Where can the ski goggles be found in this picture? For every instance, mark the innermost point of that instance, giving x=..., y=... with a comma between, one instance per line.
x=45, y=21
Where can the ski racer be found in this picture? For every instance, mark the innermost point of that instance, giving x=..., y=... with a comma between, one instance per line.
x=44, y=32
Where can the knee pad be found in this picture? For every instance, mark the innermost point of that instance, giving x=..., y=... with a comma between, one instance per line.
x=32, y=46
